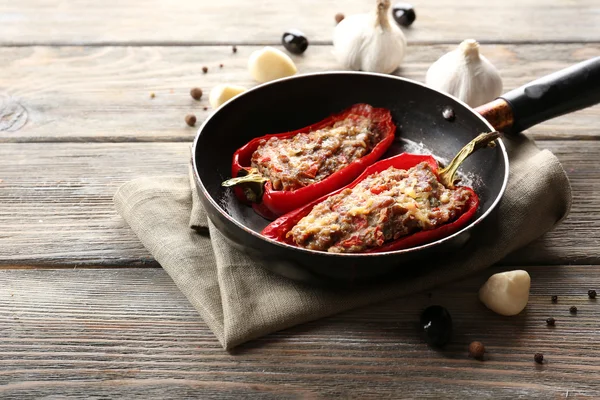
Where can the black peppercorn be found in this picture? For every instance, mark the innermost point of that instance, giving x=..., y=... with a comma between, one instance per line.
x=234, y=49
x=436, y=323
x=294, y=41
x=573, y=310
x=551, y=321
x=205, y=69
x=190, y=119
x=539, y=358
x=220, y=65
x=592, y=294
x=205, y=108
x=404, y=14
x=554, y=299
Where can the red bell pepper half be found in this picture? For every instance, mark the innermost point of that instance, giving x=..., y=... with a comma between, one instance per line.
x=278, y=229
x=272, y=203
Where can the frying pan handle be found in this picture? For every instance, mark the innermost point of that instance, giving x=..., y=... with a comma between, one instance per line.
x=562, y=92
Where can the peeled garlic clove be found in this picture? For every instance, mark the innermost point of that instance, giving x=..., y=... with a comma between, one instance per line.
x=222, y=93
x=269, y=63
x=466, y=74
x=506, y=293
x=369, y=42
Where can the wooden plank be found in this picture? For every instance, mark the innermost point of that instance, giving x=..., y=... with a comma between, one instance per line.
x=231, y=21
x=62, y=193
x=130, y=334
x=103, y=94
x=56, y=203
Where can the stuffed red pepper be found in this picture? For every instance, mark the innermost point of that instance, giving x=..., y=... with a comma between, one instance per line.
x=397, y=203
x=281, y=172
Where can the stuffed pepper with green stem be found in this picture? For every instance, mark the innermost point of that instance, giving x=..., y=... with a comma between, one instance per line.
x=397, y=203
x=278, y=173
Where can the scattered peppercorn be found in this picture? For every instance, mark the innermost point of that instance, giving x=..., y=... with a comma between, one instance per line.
x=205, y=69
x=539, y=358
x=592, y=294
x=152, y=95
x=573, y=310
x=196, y=93
x=220, y=65
x=190, y=119
x=339, y=17
x=551, y=321
x=476, y=350
x=205, y=108
x=554, y=299
x=234, y=49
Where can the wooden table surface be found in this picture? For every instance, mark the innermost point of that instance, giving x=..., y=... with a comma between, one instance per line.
x=85, y=310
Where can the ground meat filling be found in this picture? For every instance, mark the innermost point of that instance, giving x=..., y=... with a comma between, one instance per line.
x=383, y=207
x=307, y=158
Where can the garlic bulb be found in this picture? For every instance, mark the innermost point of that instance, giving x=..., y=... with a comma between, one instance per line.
x=466, y=74
x=269, y=63
x=369, y=42
x=221, y=93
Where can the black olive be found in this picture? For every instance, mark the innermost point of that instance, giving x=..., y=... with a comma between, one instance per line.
x=436, y=323
x=404, y=14
x=294, y=41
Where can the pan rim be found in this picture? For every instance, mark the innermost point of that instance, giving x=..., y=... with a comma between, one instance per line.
x=468, y=227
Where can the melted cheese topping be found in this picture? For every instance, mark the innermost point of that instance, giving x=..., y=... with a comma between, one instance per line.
x=307, y=158
x=383, y=207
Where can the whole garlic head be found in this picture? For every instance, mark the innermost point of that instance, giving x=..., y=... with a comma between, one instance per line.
x=369, y=42
x=506, y=293
x=269, y=63
x=466, y=74
x=222, y=93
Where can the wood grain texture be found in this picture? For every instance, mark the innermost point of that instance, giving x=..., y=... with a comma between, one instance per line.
x=12, y=114
x=103, y=94
x=81, y=73
x=56, y=203
x=131, y=334
x=231, y=21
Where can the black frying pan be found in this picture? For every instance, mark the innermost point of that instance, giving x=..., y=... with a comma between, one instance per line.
x=291, y=103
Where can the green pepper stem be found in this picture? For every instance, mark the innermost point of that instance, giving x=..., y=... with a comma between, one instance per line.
x=253, y=176
x=484, y=139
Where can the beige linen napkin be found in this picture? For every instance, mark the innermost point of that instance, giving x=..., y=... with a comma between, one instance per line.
x=240, y=300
